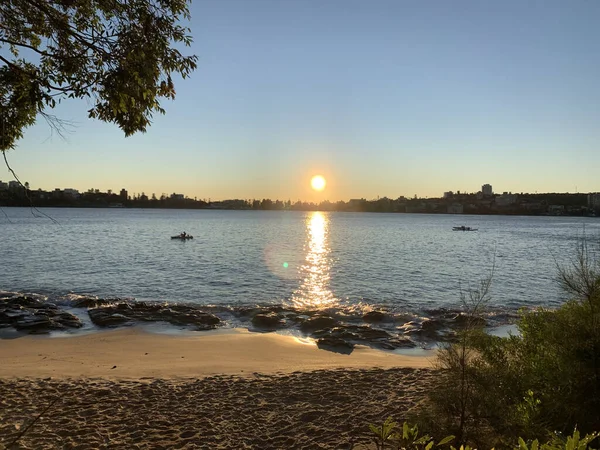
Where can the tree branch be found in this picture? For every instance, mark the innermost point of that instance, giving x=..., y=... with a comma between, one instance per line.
x=31, y=47
x=14, y=66
x=50, y=13
x=33, y=208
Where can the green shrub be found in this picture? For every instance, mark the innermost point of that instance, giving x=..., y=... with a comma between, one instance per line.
x=408, y=438
x=547, y=378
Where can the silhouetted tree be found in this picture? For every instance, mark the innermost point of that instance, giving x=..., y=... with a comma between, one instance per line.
x=119, y=54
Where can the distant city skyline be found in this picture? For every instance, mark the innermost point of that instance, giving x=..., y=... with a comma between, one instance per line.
x=485, y=190
x=383, y=98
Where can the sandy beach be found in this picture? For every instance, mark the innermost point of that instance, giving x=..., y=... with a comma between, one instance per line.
x=131, y=389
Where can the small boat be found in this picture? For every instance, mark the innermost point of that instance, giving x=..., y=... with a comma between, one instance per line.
x=463, y=228
x=183, y=238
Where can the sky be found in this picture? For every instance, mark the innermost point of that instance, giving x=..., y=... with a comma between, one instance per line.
x=382, y=98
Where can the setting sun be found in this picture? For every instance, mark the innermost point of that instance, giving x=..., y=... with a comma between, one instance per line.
x=318, y=183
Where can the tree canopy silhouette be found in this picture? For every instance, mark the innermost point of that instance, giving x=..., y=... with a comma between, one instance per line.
x=121, y=54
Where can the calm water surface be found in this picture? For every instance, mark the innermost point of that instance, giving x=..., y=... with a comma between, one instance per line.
x=403, y=261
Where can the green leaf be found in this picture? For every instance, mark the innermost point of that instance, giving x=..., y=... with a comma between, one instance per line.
x=522, y=444
x=405, y=430
x=446, y=440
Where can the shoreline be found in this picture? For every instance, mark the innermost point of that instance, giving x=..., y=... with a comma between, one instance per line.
x=135, y=354
x=341, y=326
x=128, y=388
x=520, y=213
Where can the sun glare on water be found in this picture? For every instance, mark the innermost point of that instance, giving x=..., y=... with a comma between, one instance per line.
x=318, y=183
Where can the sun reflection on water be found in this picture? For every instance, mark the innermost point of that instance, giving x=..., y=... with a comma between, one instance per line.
x=315, y=272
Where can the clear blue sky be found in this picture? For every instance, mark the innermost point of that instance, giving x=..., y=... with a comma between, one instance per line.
x=382, y=97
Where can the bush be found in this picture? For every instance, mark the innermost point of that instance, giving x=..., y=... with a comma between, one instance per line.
x=545, y=379
x=408, y=438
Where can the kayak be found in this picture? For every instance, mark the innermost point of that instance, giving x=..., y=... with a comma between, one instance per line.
x=183, y=238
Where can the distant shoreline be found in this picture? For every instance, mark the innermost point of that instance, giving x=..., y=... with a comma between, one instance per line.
x=465, y=213
x=523, y=204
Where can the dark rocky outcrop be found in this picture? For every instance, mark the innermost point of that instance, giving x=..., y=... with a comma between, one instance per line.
x=318, y=323
x=365, y=335
x=91, y=302
x=375, y=316
x=33, y=314
x=269, y=321
x=382, y=328
x=131, y=312
x=335, y=344
x=105, y=317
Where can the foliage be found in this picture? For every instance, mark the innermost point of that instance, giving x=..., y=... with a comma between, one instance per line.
x=456, y=398
x=546, y=378
x=388, y=436
x=120, y=54
x=573, y=442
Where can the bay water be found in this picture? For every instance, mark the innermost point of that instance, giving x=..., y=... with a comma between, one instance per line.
x=399, y=262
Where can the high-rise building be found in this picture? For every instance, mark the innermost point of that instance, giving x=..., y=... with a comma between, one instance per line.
x=487, y=191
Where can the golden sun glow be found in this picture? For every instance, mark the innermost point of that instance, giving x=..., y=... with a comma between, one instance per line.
x=318, y=183
x=314, y=291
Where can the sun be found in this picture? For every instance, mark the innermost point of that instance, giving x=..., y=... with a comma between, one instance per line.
x=318, y=183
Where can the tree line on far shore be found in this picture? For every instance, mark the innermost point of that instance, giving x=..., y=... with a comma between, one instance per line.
x=527, y=204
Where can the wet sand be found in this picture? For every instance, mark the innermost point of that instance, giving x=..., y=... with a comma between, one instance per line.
x=129, y=389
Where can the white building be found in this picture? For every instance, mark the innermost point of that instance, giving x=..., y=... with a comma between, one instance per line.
x=487, y=191
x=593, y=201
x=73, y=193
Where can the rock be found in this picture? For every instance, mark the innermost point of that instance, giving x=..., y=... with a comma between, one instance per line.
x=369, y=334
x=90, y=302
x=68, y=320
x=374, y=316
x=335, y=344
x=318, y=323
x=398, y=342
x=431, y=325
x=33, y=322
x=34, y=315
x=462, y=320
x=429, y=330
x=14, y=313
x=366, y=335
x=270, y=320
x=104, y=318
x=359, y=332
x=125, y=311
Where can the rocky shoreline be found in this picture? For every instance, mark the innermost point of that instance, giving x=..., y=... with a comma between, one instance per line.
x=332, y=329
